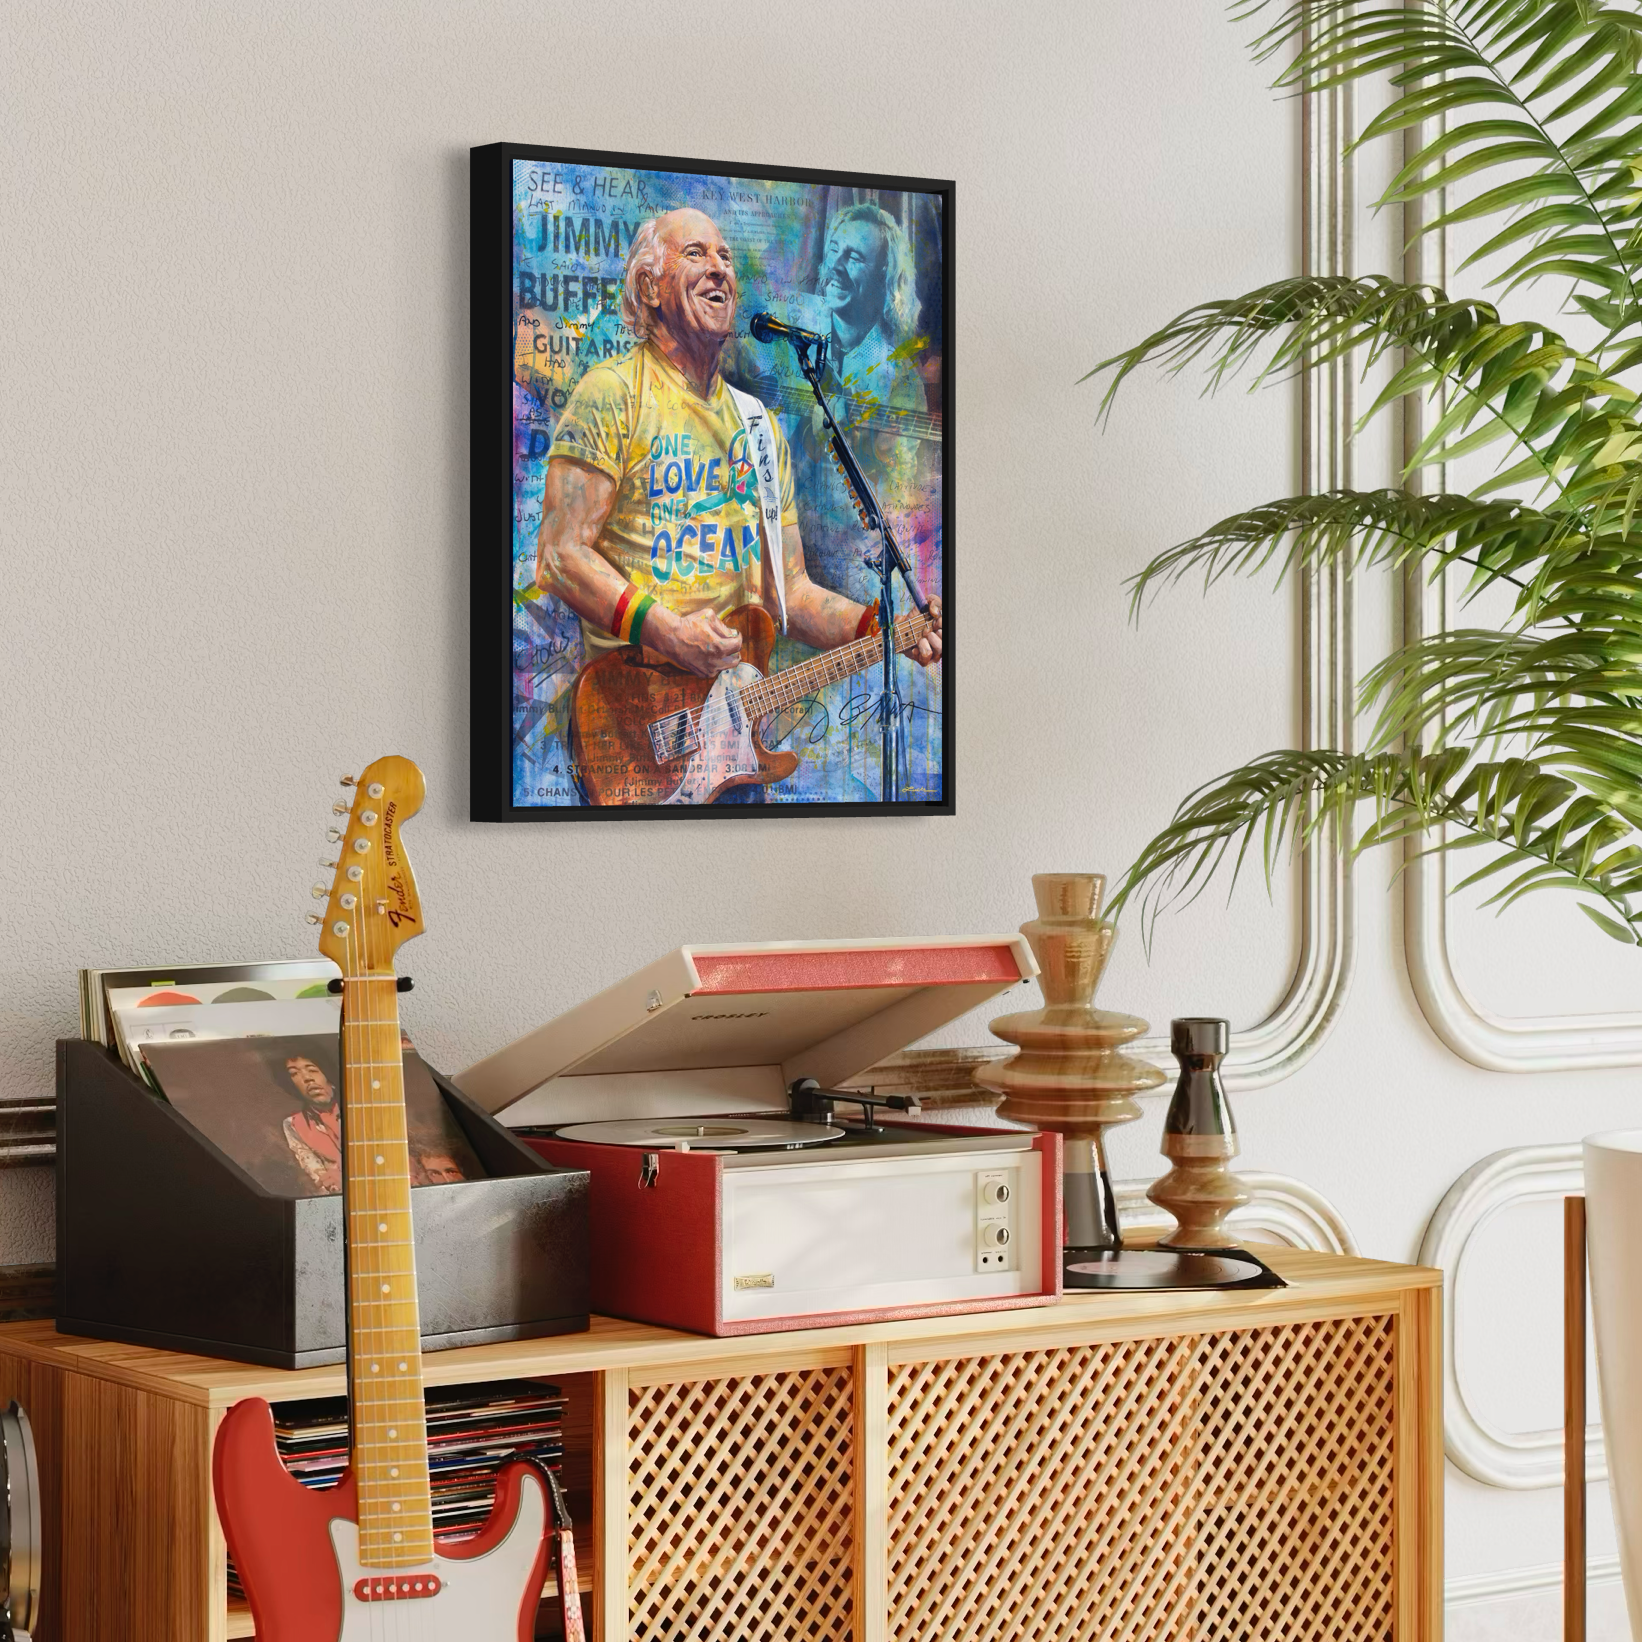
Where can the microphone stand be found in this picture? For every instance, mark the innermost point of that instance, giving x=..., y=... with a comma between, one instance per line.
x=890, y=712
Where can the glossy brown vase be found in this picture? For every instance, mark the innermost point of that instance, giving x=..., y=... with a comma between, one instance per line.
x=1071, y=1073
x=1199, y=1140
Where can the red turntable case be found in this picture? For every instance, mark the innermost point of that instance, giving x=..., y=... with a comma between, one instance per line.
x=691, y=1230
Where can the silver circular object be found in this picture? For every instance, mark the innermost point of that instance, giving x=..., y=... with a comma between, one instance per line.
x=706, y=1134
x=22, y=1480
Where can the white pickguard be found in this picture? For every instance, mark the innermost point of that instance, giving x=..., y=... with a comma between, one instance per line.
x=481, y=1598
x=726, y=739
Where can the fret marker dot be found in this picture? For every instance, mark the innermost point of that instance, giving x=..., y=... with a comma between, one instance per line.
x=381, y=1225
x=401, y=1368
x=392, y=1432
x=393, y=1470
x=380, y=1158
x=376, y=1083
x=396, y=1505
x=376, y=1368
x=384, y=1288
x=397, y=1538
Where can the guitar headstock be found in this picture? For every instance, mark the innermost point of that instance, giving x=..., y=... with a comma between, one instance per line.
x=372, y=908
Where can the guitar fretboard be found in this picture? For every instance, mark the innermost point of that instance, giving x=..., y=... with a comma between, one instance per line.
x=390, y=1444
x=792, y=684
x=857, y=411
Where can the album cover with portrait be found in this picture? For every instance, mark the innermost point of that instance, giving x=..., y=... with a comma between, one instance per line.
x=712, y=413
x=273, y=1104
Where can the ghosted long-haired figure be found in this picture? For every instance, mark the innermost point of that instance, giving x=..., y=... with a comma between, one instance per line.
x=866, y=304
x=868, y=287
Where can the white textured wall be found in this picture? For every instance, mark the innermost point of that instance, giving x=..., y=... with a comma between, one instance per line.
x=233, y=532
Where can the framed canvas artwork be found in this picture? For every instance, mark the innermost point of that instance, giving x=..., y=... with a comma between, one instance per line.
x=711, y=423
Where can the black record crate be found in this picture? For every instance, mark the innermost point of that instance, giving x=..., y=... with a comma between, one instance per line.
x=163, y=1240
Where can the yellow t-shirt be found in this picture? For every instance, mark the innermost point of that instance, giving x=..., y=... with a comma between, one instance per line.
x=684, y=524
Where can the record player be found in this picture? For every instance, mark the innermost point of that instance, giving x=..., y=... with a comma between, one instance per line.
x=736, y=1188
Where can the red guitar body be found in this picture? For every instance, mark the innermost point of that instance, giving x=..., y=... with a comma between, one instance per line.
x=279, y=1535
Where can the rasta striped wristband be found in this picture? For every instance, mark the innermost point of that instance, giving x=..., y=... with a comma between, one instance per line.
x=631, y=609
x=867, y=627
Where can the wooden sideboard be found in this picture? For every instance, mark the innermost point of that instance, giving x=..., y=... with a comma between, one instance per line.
x=1134, y=1468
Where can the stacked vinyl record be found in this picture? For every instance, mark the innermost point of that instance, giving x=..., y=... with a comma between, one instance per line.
x=472, y=1431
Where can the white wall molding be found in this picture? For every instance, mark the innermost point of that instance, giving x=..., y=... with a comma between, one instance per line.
x=1531, y=1043
x=1281, y=1044
x=1491, y=1454
x=1537, y=1043
x=1478, y=1588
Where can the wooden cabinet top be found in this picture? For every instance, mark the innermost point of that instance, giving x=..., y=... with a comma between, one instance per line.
x=1321, y=1285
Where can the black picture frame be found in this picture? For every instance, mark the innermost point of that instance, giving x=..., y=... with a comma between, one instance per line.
x=495, y=325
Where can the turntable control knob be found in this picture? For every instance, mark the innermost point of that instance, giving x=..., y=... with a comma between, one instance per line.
x=995, y=1191
x=994, y=1237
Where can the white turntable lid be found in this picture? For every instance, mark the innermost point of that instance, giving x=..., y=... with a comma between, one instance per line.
x=803, y=1009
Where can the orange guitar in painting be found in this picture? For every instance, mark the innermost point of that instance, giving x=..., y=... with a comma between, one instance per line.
x=358, y=1562
x=647, y=732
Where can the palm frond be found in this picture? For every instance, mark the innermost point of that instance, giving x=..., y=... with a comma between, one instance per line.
x=1312, y=319
x=1523, y=737
x=1498, y=81
x=1569, y=419
x=1499, y=540
x=1466, y=684
x=1543, y=827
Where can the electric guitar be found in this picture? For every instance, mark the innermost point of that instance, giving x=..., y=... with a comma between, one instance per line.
x=646, y=732
x=358, y=1562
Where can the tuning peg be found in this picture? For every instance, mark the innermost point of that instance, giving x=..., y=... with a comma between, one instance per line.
x=334, y=835
x=328, y=864
x=320, y=892
x=350, y=781
x=339, y=809
x=316, y=918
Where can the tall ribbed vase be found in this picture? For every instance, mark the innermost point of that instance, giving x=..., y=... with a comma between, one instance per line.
x=1071, y=1073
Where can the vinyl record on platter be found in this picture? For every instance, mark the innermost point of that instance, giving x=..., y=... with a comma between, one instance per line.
x=702, y=1134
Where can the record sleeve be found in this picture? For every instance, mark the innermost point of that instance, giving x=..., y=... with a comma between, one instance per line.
x=272, y=1104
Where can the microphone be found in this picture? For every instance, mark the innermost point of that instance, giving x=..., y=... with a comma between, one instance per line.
x=767, y=329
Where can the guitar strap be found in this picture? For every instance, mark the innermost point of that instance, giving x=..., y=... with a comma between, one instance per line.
x=761, y=447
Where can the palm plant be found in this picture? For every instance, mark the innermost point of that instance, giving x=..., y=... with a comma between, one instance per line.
x=1526, y=736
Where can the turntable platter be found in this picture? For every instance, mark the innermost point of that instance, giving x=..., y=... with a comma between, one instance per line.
x=704, y=1134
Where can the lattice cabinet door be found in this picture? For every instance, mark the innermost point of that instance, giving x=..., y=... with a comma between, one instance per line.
x=1233, y=1487
x=740, y=1508
x=1270, y=1483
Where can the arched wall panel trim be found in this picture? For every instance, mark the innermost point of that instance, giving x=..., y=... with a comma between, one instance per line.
x=1282, y=1043
x=1540, y=1043
x=1503, y=1180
